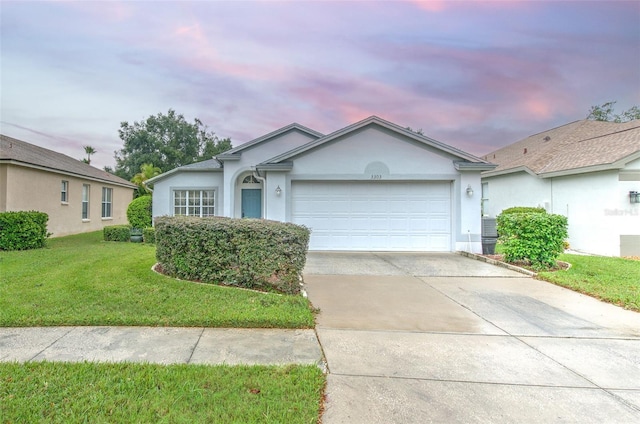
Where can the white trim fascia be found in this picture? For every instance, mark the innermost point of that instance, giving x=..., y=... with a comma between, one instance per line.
x=473, y=166
x=383, y=123
x=521, y=168
x=180, y=169
x=233, y=153
x=283, y=166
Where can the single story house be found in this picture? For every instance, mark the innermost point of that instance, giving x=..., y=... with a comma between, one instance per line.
x=588, y=171
x=372, y=185
x=77, y=197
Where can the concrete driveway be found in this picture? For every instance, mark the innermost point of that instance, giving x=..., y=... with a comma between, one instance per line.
x=419, y=338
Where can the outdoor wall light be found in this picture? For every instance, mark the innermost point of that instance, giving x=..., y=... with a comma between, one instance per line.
x=278, y=191
x=634, y=197
x=469, y=190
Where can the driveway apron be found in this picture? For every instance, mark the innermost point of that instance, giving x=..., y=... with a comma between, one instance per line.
x=420, y=337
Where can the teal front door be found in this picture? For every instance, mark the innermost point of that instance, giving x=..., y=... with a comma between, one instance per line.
x=251, y=203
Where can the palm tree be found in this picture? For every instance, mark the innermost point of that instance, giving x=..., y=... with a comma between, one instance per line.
x=147, y=171
x=89, y=151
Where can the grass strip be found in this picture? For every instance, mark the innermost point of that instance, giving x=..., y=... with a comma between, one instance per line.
x=614, y=280
x=83, y=280
x=56, y=392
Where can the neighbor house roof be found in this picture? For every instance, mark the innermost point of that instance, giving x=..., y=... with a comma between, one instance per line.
x=464, y=158
x=18, y=152
x=577, y=147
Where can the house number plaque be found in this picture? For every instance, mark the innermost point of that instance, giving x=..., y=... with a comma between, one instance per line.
x=376, y=170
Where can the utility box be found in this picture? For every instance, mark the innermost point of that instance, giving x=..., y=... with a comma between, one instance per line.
x=489, y=227
x=489, y=236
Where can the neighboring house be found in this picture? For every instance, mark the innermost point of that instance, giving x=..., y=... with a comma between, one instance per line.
x=370, y=186
x=77, y=197
x=584, y=170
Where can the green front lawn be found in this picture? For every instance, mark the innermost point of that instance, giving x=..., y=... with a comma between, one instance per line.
x=613, y=280
x=143, y=393
x=83, y=280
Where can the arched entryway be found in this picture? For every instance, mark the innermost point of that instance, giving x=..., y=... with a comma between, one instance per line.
x=250, y=196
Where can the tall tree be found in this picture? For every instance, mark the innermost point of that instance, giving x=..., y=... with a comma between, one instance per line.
x=89, y=151
x=147, y=171
x=167, y=141
x=605, y=112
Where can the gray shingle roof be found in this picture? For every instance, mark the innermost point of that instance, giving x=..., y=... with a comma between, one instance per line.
x=571, y=148
x=22, y=153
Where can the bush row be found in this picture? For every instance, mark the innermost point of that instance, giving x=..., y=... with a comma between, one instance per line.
x=123, y=233
x=533, y=236
x=250, y=253
x=23, y=230
x=523, y=209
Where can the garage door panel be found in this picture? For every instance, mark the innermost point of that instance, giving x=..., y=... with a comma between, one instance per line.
x=374, y=215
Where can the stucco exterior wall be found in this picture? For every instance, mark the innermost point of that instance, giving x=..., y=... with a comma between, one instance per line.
x=390, y=156
x=518, y=189
x=25, y=189
x=249, y=159
x=596, y=204
x=598, y=209
x=194, y=180
x=350, y=156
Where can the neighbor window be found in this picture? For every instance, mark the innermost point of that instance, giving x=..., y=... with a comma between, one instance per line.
x=85, y=201
x=107, y=194
x=64, y=191
x=485, y=197
x=193, y=202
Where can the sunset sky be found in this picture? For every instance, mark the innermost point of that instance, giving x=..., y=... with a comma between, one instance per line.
x=472, y=74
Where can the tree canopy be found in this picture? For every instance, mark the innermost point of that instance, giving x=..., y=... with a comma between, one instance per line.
x=605, y=112
x=147, y=171
x=166, y=141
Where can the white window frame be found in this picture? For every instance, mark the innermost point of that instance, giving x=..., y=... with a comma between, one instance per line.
x=193, y=202
x=64, y=192
x=86, y=196
x=484, y=197
x=107, y=202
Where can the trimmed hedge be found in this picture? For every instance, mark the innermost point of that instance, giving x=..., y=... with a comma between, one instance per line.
x=250, y=253
x=536, y=237
x=139, y=212
x=149, y=235
x=23, y=230
x=117, y=233
x=523, y=209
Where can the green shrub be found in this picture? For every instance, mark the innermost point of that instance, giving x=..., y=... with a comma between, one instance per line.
x=523, y=209
x=149, y=235
x=23, y=230
x=116, y=233
x=536, y=237
x=139, y=212
x=251, y=253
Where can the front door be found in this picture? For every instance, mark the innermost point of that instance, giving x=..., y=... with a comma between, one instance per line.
x=251, y=203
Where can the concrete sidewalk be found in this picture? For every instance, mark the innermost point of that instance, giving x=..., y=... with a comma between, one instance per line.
x=161, y=345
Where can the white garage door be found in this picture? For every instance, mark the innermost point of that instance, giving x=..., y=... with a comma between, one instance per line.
x=401, y=216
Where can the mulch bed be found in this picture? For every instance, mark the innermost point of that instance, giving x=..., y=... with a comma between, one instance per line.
x=560, y=265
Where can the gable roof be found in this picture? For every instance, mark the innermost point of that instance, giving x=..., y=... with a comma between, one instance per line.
x=577, y=147
x=234, y=154
x=463, y=157
x=206, y=165
x=18, y=152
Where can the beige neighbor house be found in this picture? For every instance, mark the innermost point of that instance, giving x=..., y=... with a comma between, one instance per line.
x=77, y=197
x=588, y=171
